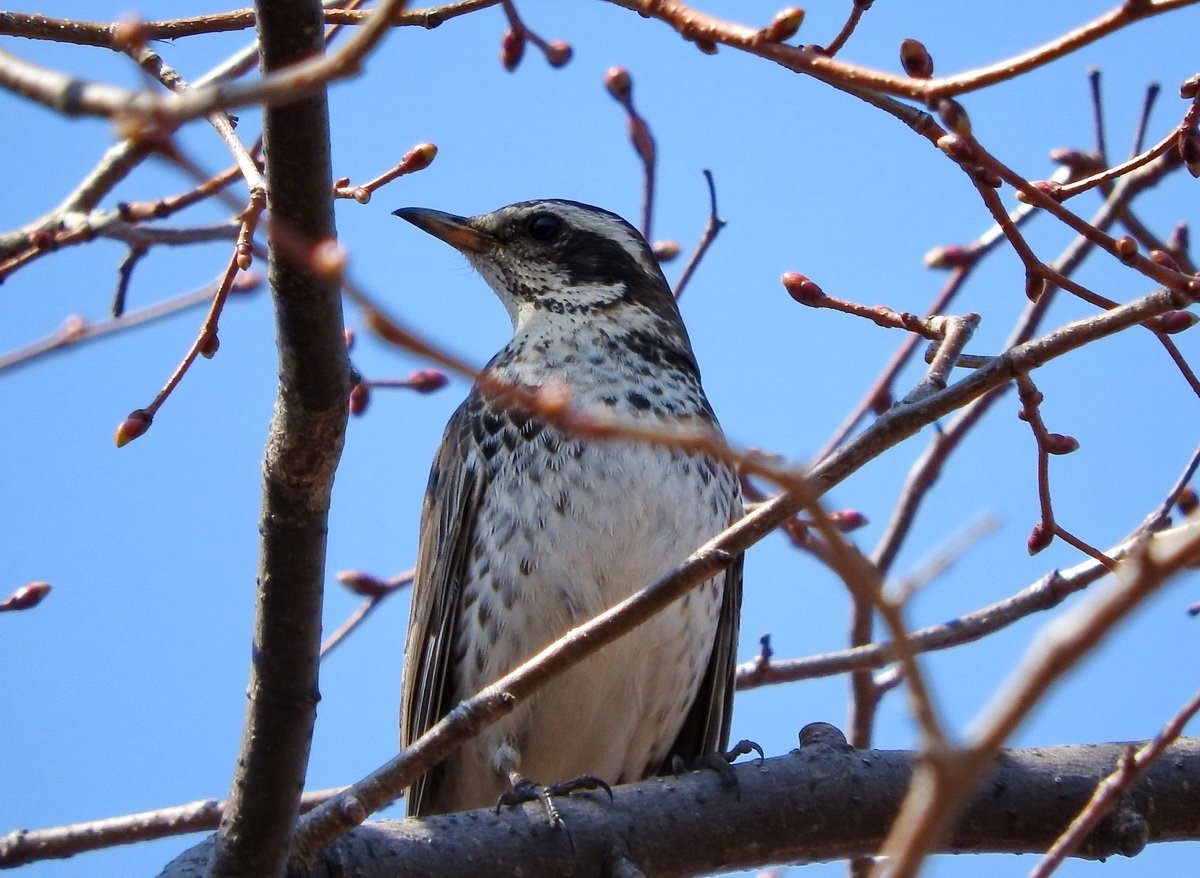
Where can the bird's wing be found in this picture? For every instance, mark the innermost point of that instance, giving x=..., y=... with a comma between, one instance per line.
x=456, y=484
x=706, y=729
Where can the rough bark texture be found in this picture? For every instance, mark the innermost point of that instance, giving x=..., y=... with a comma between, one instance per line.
x=823, y=802
x=303, y=447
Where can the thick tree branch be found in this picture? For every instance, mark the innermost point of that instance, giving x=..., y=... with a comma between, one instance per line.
x=303, y=447
x=807, y=806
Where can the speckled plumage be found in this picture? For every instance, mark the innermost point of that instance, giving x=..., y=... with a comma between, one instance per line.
x=527, y=532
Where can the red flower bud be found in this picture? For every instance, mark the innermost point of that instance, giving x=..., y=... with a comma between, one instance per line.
x=665, y=251
x=619, y=83
x=426, y=380
x=1174, y=321
x=800, y=288
x=1165, y=259
x=27, y=596
x=360, y=397
x=363, y=583
x=209, y=346
x=512, y=48
x=418, y=158
x=847, y=520
x=1057, y=443
x=951, y=256
x=1040, y=537
x=558, y=52
x=137, y=423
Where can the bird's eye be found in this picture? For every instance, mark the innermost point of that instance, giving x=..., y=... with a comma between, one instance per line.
x=545, y=227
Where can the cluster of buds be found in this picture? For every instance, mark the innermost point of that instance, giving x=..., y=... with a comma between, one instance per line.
x=512, y=47
x=620, y=85
x=420, y=380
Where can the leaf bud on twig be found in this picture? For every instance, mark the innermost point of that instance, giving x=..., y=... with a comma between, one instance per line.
x=363, y=584
x=953, y=116
x=665, y=251
x=950, y=256
x=957, y=147
x=512, y=48
x=1165, y=259
x=1126, y=249
x=210, y=345
x=426, y=380
x=360, y=397
x=1187, y=502
x=784, y=25
x=619, y=84
x=26, y=597
x=1189, y=150
x=915, y=59
x=1174, y=321
x=137, y=423
x=800, y=288
x=1039, y=538
x=1035, y=285
x=1059, y=443
x=558, y=52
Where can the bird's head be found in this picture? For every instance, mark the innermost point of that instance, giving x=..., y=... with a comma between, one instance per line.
x=557, y=257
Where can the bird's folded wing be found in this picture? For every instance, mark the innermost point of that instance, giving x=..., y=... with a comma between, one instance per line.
x=456, y=484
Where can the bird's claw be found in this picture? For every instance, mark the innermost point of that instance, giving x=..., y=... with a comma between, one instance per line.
x=526, y=790
x=721, y=763
x=743, y=748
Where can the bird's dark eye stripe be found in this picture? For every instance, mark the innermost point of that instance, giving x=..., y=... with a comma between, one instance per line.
x=544, y=227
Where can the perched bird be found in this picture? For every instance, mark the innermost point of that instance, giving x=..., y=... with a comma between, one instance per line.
x=528, y=531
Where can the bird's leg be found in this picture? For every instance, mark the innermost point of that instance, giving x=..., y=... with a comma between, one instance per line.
x=521, y=789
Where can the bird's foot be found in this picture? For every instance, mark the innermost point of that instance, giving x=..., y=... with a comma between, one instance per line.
x=522, y=789
x=721, y=763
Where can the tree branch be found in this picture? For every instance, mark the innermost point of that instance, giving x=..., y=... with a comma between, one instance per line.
x=303, y=447
x=804, y=807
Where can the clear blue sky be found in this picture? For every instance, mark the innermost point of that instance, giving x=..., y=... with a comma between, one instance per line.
x=124, y=690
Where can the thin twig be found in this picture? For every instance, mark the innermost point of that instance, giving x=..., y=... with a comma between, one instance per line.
x=711, y=230
x=76, y=330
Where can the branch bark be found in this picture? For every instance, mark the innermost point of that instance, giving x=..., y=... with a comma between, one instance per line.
x=808, y=806
x=303, y=447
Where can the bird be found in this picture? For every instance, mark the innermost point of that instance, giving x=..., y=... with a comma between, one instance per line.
x=527, y=531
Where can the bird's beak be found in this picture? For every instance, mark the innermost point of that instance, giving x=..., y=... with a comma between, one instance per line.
x=456, y=231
